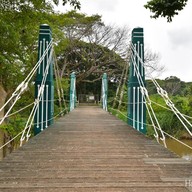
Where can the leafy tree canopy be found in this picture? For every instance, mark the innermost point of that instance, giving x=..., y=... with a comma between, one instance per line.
x=75, y=3
x=165, y=8
x=19, y=5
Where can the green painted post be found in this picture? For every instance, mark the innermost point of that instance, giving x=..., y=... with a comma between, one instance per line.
x=104, y=91
x=72, y=91
x=136, y=104
x=45, y=110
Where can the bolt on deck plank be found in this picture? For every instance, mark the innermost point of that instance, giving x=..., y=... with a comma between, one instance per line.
x=91, y=150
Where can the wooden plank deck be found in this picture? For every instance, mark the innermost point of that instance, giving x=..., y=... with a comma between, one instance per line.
x=91, y=150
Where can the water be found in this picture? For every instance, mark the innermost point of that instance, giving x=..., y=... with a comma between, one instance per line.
x=180, y=149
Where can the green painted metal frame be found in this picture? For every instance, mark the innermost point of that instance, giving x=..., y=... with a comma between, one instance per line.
x=45, y=111
x=73, y=96
x=136, y=104
x=104, y=91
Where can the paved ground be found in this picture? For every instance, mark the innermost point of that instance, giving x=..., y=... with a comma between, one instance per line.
x=91, y=150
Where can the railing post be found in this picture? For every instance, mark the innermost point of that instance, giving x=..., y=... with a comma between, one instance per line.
x=136, y=104
x=45, y=110
x=104, y=91
x=72, y=91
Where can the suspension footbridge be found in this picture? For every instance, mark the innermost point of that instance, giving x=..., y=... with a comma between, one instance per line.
x=91, y=150
x=88, y=149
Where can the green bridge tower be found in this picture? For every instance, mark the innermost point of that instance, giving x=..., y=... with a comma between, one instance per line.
x=136, y=103
x=45, y=109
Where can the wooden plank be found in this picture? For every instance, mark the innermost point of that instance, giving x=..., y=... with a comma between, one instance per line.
x=91, y=150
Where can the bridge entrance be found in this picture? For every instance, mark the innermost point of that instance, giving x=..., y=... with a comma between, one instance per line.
x=89, y=98
x=89, y=93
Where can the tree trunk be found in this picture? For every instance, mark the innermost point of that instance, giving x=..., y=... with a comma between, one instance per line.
x=3, y=96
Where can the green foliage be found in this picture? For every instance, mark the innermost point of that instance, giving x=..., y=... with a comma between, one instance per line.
x=75, y=3
x=14, y=125
x=173, y=85
x=167, y=119
x=19, y=27
x=78, y=50
x=121, y=115
x=165, y=8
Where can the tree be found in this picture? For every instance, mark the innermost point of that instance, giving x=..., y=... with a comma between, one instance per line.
x=165, y=8
x=90, y=48
x=172, y=85
x=19, y=25
x=20, y=4
x=152, y=64
x=75, y=3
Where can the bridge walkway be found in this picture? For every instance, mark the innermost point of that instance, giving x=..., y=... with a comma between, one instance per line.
x=91, y=150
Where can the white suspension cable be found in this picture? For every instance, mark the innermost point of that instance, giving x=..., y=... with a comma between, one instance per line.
x=59, y=82
x=49, y=60
x=169, y=103
x=146, y=98
x=57, y=86
x=36, y=103
x=23, y=86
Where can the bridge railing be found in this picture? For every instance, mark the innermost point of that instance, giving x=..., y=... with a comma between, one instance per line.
x=73, y=97
x=104, y=92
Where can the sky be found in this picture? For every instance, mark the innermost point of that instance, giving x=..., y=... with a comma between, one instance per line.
x=172, y=41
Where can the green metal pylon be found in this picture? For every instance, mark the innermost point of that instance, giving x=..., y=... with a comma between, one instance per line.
x=104, y=91
x=45, y=110
x=136, y=104
x=73, y=97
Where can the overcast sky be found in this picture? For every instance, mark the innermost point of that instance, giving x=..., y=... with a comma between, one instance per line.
x=173, y=41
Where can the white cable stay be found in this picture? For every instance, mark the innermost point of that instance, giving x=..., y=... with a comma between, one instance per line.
x=147, y=100
x=169, y=103
x=36, y=102
x=60, y=91
x=20, y=89
x=57, y=86
x=57, y=72
x=23, y=86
